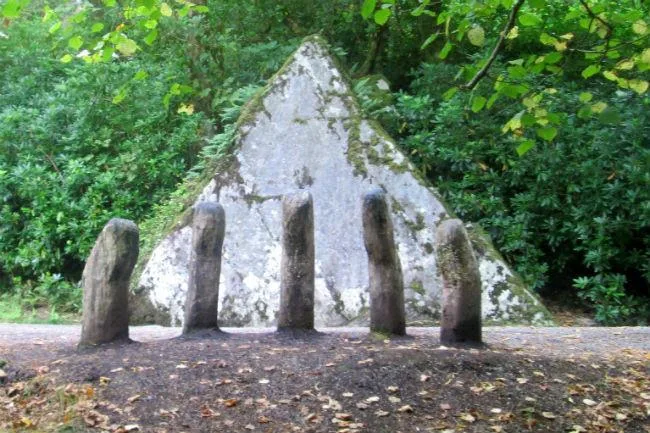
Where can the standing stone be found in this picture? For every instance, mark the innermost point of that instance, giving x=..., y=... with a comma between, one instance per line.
x=105, y=283
x=461, y=290
x=201, y=304
x=384, y=268
x=297, y=263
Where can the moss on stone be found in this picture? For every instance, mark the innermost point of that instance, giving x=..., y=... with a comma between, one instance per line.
x=417, y=287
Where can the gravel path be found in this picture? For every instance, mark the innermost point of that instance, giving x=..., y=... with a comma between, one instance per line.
x=561, y=342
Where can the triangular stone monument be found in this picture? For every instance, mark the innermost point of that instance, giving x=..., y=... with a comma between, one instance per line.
x=306, y=131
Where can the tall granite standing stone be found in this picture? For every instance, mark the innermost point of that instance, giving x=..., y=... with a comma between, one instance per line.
x=105, y=283
x=461, y=287
x=384, y=268
x=202, y=303
x=297, y=263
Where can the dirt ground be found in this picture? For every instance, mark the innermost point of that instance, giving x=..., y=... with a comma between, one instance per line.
x=341, y=380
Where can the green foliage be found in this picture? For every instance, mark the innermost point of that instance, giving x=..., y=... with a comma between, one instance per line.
x=575, y=209
x=70, y=159
x=544, y=42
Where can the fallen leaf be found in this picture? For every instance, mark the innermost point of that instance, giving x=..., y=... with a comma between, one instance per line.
x=366, y=361
x=362, y=406
x=95, y=419
x=382, y=413
x=343, y=416
x=405, y=409
x=589, y=402
x=373, y=399
x=263, y=419
x=424, y=378
x=231, y=402
x=467, y=417
x=392, y=389
x=549, y=415
x=445, y=406
x=394, y=399
x=522, y=380
x=348, y=394
x=131, y=427
x=495, y=410
x=249, y=427
x=264, y=381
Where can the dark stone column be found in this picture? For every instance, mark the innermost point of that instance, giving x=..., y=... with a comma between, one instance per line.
x=297, y=265
x=461, y=292
x=384, y=268
x=201, y=304
x=105, y=283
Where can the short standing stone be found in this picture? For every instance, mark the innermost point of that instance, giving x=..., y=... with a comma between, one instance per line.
x=201, y=304
x=461, y=291
x=105, y=283
x=297, y=263
x=384, y=268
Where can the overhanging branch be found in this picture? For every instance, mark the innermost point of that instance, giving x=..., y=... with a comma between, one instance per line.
x=500, y=43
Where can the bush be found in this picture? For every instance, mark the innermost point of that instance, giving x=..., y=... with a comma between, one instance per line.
x=70, y=158
x=572, y=214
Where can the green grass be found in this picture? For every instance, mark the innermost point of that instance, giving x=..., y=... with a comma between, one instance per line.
x=14, y=309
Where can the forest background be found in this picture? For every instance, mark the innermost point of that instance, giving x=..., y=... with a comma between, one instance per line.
x=531, y=117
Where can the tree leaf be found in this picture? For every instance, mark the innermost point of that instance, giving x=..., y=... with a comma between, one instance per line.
x=151, y=37
x=585, y=97
x=552, y=58
x=478, y=103
x=12, y=8
x=547, y=133
x=165, y=10
x=645, y=56
x=449, y=93
x=55, y=27
x=382, y=15
x=367, y=8
x=66, y=59
x=430, y=40
x=444, y=52
x=525, y=147
x=639, y=86
x=97, y=27
x=640, y=27
x=75, y=42
x=590, y=71
x=529, y=20
x=476, y=36
x=127, y=46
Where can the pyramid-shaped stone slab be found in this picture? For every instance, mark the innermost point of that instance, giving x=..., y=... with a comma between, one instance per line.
x=306, y=132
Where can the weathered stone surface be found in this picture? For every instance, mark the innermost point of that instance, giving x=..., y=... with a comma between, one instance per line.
x=461, y=285
x=105, y=283
x=297, y=263
x=305, y=131
x=384, y=268
x=202, y=304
